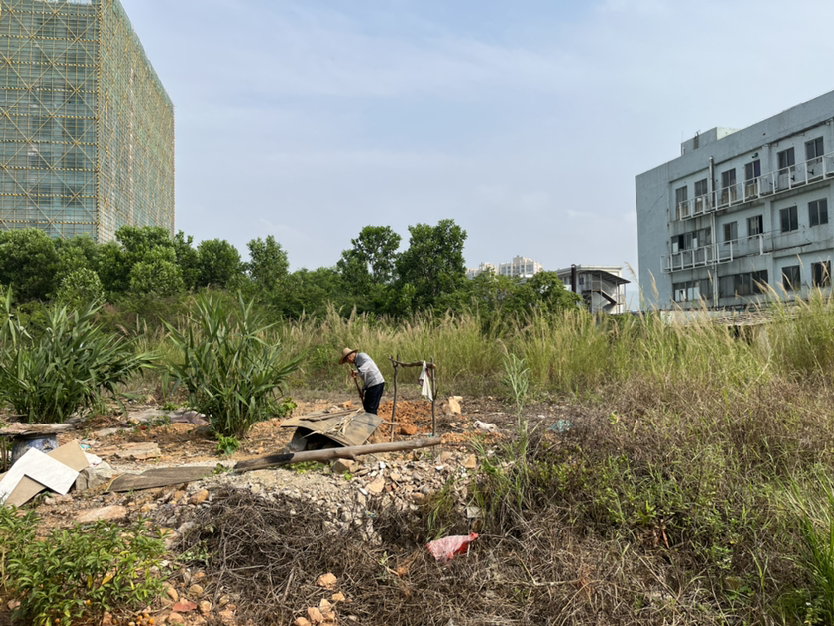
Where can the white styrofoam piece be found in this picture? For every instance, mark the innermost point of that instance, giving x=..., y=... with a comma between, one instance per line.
x=93, y=459
x=40, y=467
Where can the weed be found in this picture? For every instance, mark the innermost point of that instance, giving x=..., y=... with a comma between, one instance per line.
x=80, y=573
x=227, y=446
x=232, y=372
x=65, y=369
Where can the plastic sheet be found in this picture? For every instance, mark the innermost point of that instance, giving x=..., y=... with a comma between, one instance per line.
x=446, y=548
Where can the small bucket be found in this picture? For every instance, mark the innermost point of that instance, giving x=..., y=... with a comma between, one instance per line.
x=44, y=443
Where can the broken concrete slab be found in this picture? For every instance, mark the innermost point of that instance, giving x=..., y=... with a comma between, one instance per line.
x=107, y=513
x=94, y=476
x=131, y=451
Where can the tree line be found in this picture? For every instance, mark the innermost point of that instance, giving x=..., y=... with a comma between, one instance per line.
x=372, y=276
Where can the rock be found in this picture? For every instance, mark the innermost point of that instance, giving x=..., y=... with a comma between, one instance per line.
x=328, y=581
x=227, y=616
x=109, y=513
x=324, y=606
x=172, y=593
x=340, y=466
x=408, y=429
x=223, y=601
x=184, y=606
x=315, y=615
x=205, y=607
x=92, y=477
x=196, y=591
x=454, y=404
x=471, y=462
x=337, y=597
x=107, y=620
x=199, y=497
x=302, y=621
x=418, y=497
x=175, y=618
x=377, y=486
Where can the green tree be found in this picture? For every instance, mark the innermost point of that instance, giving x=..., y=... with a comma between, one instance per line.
x=80, y=289
x=76, y=253
x=188, y=259
x=158, y=274
x=134, y=245
x=373, y=257
x=269, y=264
x=28, y=262
x=220, y=264
x=433, y=264
x=307, y=292
x=550, y=294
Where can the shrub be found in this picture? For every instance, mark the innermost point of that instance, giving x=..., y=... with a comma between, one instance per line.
x=233, y=374
x=65, y=369
x=80, y=289
x=79, y=573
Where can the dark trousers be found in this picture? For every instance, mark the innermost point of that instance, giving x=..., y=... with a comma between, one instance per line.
x=373, y=395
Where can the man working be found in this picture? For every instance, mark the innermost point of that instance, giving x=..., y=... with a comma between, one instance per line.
x=374, y=383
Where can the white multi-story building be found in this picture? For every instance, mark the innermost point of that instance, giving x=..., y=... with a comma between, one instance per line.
x=740, y=213
x=601, y=286
x=472, y=272
x=520, y=267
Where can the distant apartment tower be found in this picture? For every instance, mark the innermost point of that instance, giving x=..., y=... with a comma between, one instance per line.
x=741, y=211
x=472, y=272
x=602, y=287
x=520, y=267
x=86, y=127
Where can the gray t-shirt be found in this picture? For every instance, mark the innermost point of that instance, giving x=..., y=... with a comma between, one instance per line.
x=368, y=370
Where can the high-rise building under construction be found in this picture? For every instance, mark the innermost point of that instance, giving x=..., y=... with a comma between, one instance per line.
x=86, y=127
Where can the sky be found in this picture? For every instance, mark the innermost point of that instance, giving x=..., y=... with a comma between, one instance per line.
x=526, y=121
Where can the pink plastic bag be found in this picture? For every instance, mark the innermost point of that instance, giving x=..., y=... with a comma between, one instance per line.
x=446, y=548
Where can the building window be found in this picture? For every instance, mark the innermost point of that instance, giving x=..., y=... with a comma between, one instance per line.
x=821, y=274
x=786, y=158
x=814, y=148
x=692, y=240
x=728, y=186
x=746, y=284
x=790, y=278
x=692, y=290
x=789, y=219
x=680, y=199
x=754, y=225
x=731, y=231
x=701, y=188
x=752, y=170
x=818, y=212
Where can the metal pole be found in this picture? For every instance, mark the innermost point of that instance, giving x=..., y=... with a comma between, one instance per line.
x=433, y=374
x=394, y=408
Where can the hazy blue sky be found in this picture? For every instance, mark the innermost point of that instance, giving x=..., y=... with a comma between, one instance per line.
x=524, y=121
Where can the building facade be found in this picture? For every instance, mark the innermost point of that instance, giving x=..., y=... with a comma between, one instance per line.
x=741, y=213
x=86, y=127
x=602, y=287
x=472, y=272
x=520, y=267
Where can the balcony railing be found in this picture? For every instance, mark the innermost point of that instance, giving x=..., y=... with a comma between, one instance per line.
x=780, y=181
x=715, y=253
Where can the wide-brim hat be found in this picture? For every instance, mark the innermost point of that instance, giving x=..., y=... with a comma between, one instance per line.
x=345, y=354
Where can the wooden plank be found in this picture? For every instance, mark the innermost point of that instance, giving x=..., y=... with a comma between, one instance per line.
x=160, y=477
x=348, y=452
